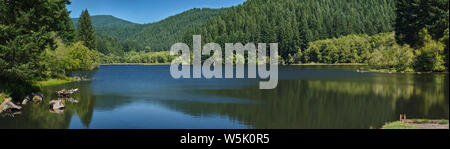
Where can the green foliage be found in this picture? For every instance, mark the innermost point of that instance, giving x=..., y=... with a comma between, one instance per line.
x=25, y=35
x=394, y=58
x=430, y=54
x=443, y=122
x=346, y=49
x=295, y=23
x=83, y=58
x=51, y=82
x=3, y=96
x=147, y=57
x=65, y=59
x=398, y=125
x=446, y=42
x=65, y=27
x=414, y=15
x=85, y=31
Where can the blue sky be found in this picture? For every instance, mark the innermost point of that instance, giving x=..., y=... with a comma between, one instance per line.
x=144, y=11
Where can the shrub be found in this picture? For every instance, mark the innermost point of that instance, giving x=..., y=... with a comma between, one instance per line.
x=395, y=58
x=430, y=54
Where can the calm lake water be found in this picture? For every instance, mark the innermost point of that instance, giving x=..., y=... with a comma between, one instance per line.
x=136, y=96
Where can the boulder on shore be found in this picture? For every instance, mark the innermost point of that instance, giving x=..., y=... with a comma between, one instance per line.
x=8, y=105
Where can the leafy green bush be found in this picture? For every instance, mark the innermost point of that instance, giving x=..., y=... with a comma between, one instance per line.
x=395, y=58
x=430, y=54
x=147, y=57
x=65, y=59
x=446, y=42
x=346, y=49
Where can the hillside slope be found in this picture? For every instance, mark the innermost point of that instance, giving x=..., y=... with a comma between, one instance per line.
x=160, y=36
x=105, y=21
x=294, y=23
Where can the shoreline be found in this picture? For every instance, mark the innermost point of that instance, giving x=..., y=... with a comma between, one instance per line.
x=55, y=81
x=306, y=64
x=118, y=64
x=417, y=124
x=324, y=64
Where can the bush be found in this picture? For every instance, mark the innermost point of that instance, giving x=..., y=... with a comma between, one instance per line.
x=148, y=57
x=395, y=58
x=430, y=54
x=446, y=42
x=65, y=59
x=346, y=49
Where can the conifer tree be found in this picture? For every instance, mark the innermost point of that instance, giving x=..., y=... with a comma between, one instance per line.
x=85, y=30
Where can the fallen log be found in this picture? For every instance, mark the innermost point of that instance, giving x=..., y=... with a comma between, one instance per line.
x=66, y=92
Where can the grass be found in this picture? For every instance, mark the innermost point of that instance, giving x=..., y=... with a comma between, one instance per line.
x=3, y=96
x=443, y=122
x=51, y=82
x=409, y=124
x=420, y=121
x=398, y=125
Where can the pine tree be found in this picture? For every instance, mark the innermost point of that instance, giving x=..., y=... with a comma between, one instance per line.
x=65, y=27
x=26, y=29
x=414, y=15
x=85, y=30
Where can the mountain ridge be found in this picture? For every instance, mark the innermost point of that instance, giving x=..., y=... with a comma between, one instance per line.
x=105, y=21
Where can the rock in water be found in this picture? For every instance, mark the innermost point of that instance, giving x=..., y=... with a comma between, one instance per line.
x=56, y=105
x=25, y=100
x=7, y=105
x=35, y=97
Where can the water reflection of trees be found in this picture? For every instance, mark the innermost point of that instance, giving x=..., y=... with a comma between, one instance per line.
x=38, y=116
x=353, y=103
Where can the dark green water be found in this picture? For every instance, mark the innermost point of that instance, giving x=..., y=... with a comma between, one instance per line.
x=133, y=97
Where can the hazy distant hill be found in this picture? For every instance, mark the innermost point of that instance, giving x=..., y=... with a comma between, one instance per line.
x=105, y=21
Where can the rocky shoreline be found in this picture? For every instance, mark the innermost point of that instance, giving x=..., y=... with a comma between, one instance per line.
x=9, y=108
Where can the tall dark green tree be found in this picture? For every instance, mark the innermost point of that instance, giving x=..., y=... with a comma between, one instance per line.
x=414, y=15
x=85, y=31
x=25, y=31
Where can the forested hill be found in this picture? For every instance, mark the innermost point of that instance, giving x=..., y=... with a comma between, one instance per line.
x=294, y=23
x=105, y=21
x=158, y=36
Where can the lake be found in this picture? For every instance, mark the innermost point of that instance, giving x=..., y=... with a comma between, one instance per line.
x=307, y=97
